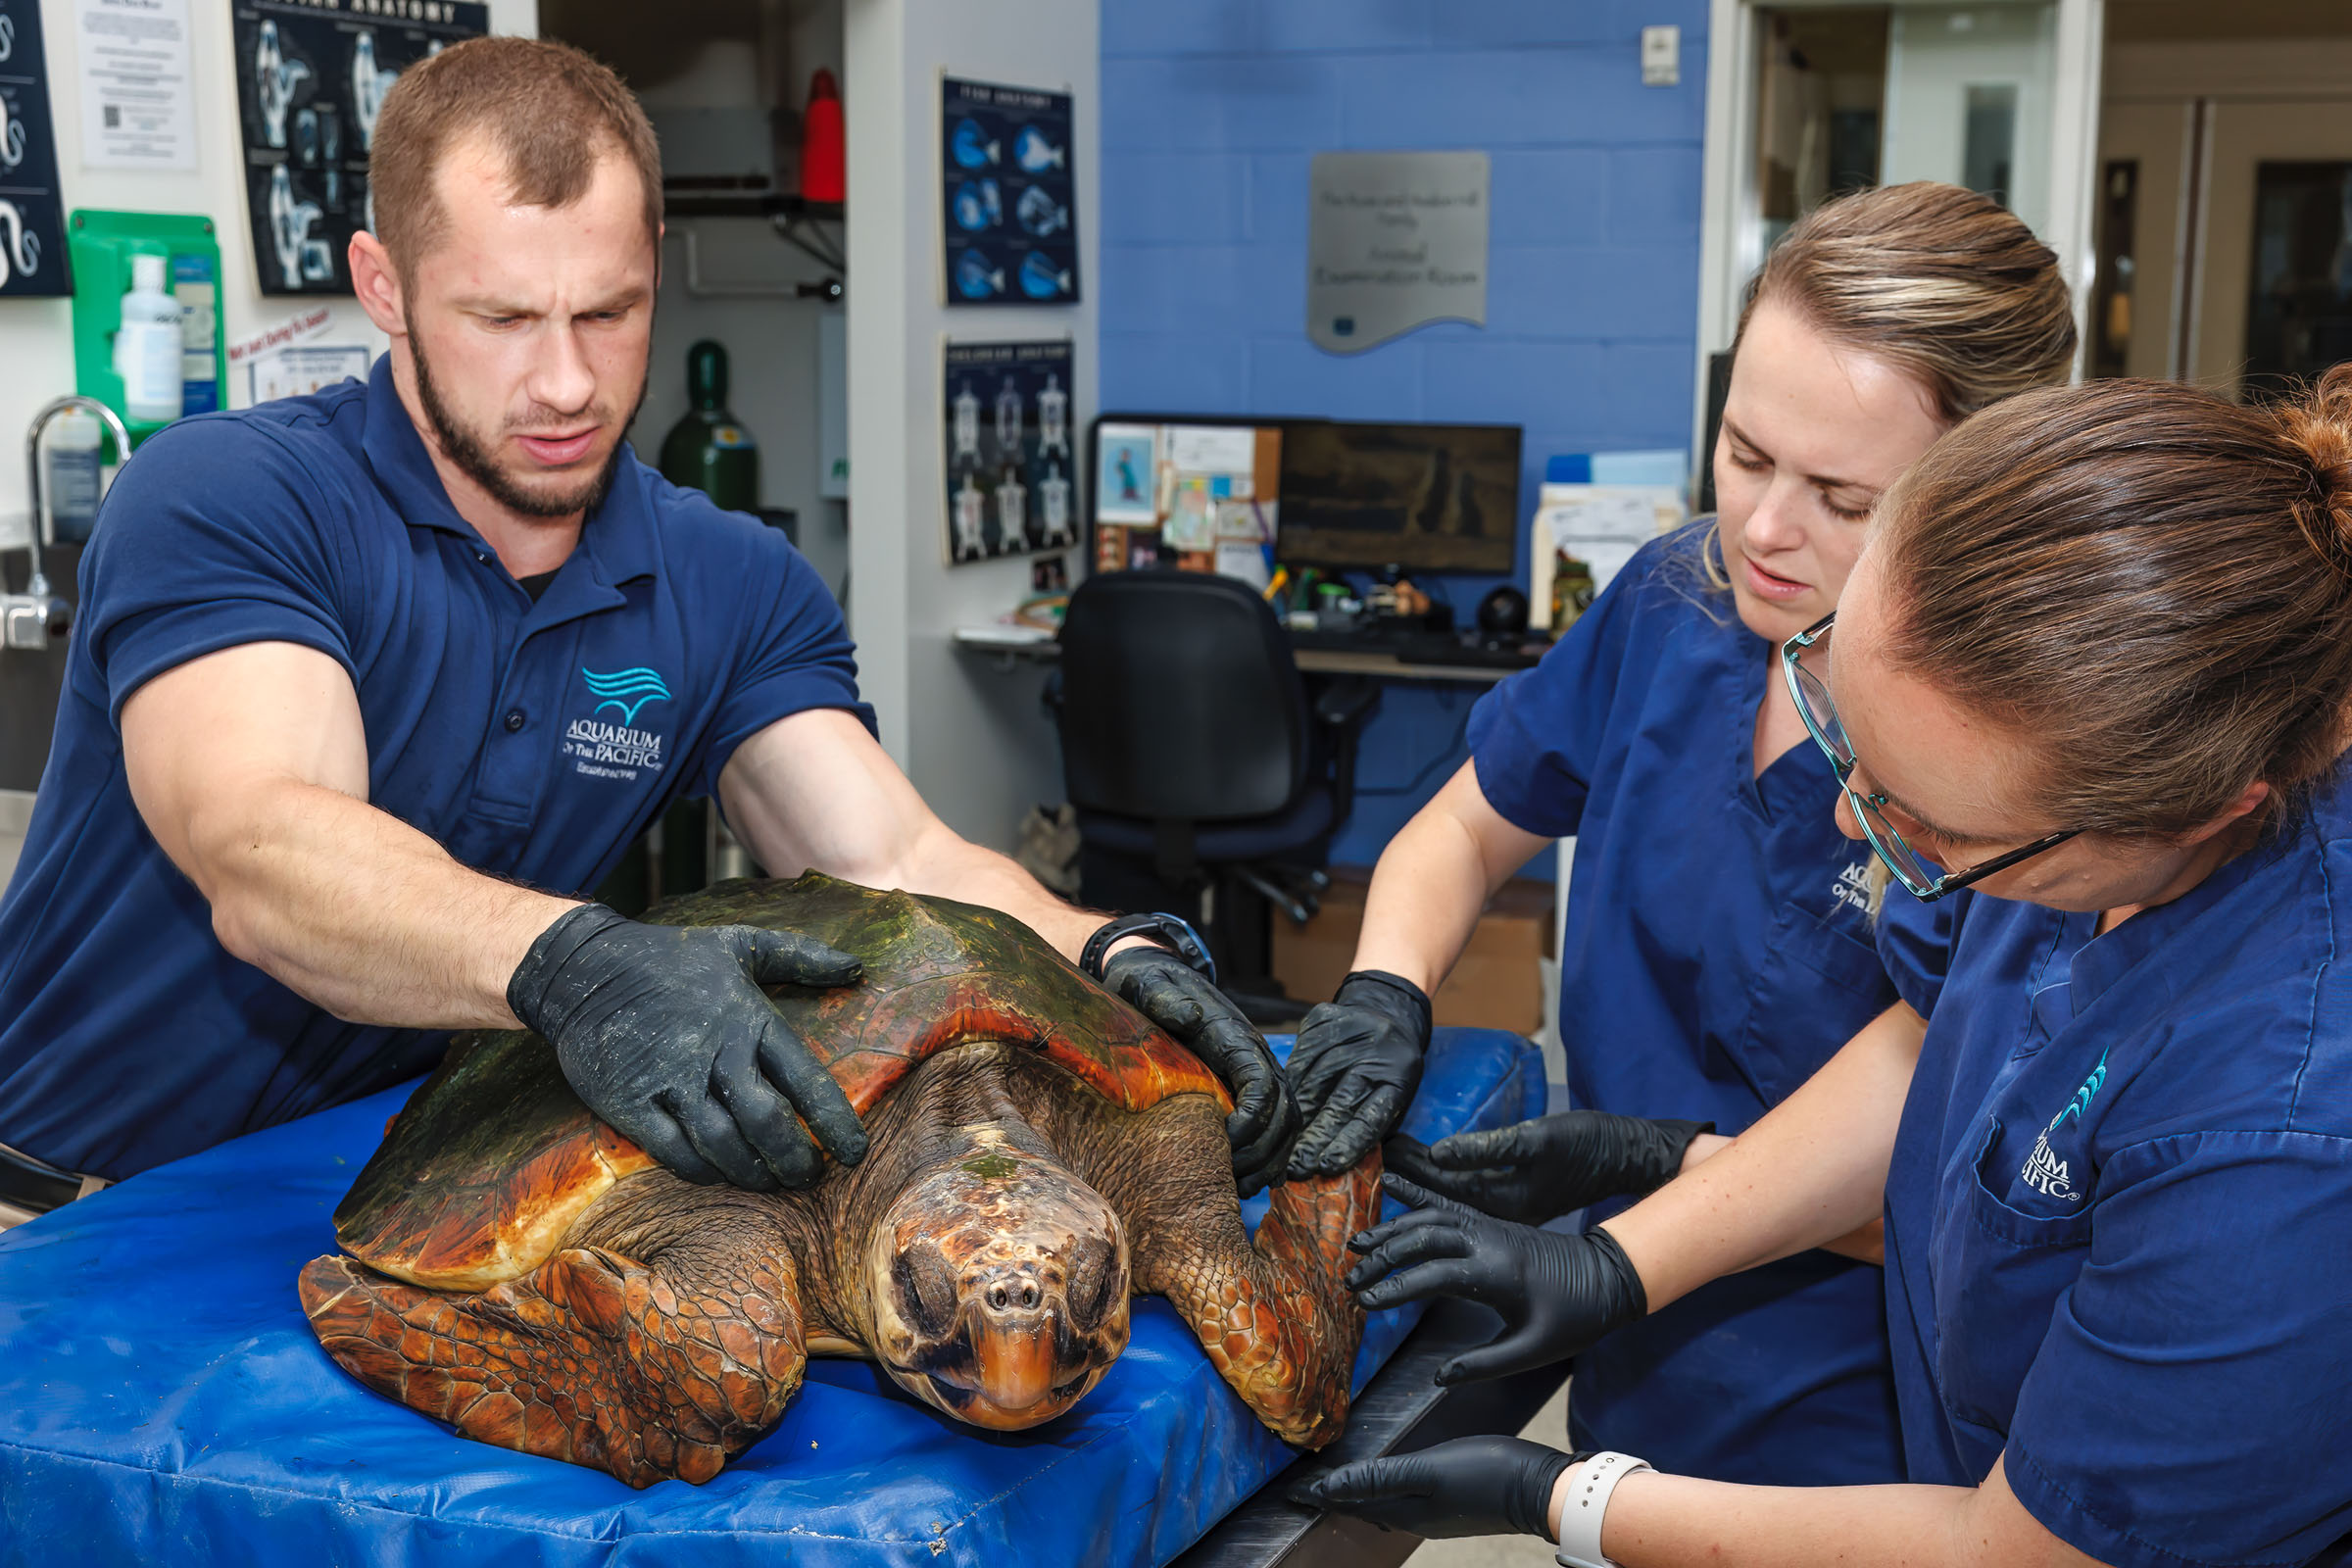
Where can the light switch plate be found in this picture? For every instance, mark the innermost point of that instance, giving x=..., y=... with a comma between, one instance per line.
x=1661, y=56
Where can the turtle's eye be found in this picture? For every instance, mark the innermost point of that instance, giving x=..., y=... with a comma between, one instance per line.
x=927, y=1288
x=1093, y=1275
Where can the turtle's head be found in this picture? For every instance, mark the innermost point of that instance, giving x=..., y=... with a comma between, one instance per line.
x=998, y=1286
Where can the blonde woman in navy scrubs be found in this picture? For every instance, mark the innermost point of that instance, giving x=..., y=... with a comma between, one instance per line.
x=1717, y=949
x=2089, y=691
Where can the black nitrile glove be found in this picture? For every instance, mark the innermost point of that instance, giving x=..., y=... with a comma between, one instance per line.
x=1537, y=1170
x=665, y=1031
x=1557, y=1294
x=1355, y=1067
x=1178, y=997
x=1468, y=1486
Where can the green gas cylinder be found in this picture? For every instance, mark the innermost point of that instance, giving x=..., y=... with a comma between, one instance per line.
x=709, y=449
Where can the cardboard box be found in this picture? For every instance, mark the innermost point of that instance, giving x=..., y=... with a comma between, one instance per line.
x=1498, y=984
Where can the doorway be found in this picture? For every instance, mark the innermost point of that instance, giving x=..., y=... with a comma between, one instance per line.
x=2225, y=215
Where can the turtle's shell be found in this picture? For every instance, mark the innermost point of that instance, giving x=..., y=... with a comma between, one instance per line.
x=484, y=1173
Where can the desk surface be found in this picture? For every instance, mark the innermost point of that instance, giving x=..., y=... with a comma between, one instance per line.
x=995, y=641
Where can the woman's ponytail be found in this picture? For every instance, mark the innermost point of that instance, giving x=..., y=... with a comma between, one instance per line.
x=2319, y=425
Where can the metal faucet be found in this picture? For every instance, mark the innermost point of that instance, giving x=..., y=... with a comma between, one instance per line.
x=34, y=618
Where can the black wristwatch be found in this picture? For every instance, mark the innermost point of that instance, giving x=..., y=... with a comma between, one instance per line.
x=1172, y=932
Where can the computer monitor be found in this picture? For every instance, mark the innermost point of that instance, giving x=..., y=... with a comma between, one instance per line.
x=1429, y=498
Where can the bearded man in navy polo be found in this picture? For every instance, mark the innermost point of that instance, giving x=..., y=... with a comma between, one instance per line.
x=368, y=684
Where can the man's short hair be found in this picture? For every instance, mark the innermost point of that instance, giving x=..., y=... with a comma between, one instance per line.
x=550, y=110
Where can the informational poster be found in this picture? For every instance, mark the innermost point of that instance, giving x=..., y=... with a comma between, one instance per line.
x=299, y=369
x=32, y=217
x=1393, y=241
x=138, y=109
x=311, y=76
x=1010, y=469
x=1009, y=193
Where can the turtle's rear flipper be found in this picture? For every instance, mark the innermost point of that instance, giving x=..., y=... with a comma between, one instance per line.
x=1277, y=1322
x=591, y=1357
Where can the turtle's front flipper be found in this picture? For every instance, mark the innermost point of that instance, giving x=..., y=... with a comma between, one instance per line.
x=649, y=1370
x=1276, y=1320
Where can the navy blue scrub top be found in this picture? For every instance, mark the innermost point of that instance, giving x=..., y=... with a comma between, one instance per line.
x=533, y=741
x=2119, y=1221
x=1717, y=952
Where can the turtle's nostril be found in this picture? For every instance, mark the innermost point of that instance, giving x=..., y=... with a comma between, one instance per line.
x=997, y=1297
x=1029, y=1293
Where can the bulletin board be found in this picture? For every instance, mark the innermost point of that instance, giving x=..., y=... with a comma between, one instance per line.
x=1194, y=493
x=311, y=76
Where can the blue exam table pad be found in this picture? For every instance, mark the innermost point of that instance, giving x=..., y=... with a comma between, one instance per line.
x=163, y=1400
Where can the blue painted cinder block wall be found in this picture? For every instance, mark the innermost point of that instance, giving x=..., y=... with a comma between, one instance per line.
x=1211, y=110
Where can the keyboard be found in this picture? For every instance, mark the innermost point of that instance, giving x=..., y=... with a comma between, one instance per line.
x=1416, y=647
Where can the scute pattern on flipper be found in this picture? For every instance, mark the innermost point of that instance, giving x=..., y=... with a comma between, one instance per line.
x=591, y=1358
x=1283, y=1334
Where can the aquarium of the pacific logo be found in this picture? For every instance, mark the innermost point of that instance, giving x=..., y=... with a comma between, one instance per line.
x=602, y=749
x=2045, y=1171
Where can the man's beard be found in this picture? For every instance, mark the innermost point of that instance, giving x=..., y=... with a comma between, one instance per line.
x=467, y=449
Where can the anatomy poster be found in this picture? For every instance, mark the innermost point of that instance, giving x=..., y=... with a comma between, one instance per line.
x=33, y=219
x=311, y=76
x=1012, y=472
x=1010, y=224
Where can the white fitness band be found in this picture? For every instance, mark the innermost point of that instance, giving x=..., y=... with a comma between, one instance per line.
x=1588, y=1504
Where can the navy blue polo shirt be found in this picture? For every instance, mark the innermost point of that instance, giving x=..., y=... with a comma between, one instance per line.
x=1717, y=952
x=2119, y=1212
x=532, y=741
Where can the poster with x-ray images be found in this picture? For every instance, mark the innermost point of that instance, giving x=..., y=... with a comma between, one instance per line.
x=32, y=217
x=1010, y=194
x=311, y=76
x=1011, y=473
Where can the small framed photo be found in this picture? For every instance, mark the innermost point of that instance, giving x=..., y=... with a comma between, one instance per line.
x=1126, y=474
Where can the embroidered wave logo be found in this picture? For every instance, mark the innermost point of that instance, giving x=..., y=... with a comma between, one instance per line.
x=2084, y=1094
x=2045, y=1171
x=628, y=690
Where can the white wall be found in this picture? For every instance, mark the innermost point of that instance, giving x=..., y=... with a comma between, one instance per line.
x=747, y=304
x=36, y=339
x=973, y=738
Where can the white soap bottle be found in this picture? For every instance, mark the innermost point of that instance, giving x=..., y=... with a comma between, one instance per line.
x=148, y=348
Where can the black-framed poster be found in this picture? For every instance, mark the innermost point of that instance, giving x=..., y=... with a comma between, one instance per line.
x=1011, y=471
x=311, y=80
x=33, y=212
x=1010, y=194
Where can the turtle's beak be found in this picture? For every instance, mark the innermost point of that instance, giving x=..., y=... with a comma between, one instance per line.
x=1013, y=1347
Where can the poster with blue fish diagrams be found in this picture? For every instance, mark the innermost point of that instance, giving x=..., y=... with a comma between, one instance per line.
x=1009, y=216
x=32, y=217
x=311, y=76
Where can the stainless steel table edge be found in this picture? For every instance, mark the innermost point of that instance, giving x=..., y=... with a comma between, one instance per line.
x=1400, y=1411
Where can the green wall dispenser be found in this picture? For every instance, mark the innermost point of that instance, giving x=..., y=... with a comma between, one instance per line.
x=102, y=245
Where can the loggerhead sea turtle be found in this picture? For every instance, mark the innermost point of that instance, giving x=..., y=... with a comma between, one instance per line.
x=1039, y=1150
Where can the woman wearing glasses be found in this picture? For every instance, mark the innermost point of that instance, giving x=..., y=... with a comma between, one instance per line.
x=2090, y=689
x=1717, y=946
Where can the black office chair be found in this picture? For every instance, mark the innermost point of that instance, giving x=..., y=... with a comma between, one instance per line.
x=1197, y=764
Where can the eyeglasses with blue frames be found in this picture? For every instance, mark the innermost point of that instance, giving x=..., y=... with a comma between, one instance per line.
x=1917, y=875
